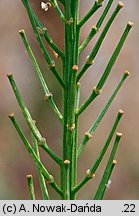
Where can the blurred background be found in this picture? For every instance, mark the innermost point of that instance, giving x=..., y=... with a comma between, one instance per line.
x=15, y=163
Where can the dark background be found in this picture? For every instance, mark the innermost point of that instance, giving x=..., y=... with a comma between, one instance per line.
x=15, y=163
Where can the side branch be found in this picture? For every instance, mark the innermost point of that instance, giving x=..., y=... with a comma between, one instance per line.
x=91, y=172
x=48, y=95
x=40, y=166
x=31, y=187
x=108, y=170
x=42, y=182
x=90, y=13
x=94, y=52
x=59, y=12
x=49, y=61
x=96, y=27
x=91, y=131
x=29, y=120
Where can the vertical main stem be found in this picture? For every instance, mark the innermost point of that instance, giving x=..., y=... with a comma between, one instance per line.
x=68, y=174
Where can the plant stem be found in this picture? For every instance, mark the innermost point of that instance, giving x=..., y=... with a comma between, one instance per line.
x=96, y=28
x=51, y=43
x=48, y=94
x=51, y=63
x=30, y=121
x=30, y=150
x=108, y=170
x=43, y=187
x=47, y=37
x=31, y=187
x=92, y=55
x=70, y=74
x=91, y=131
x=114, y=56
x=91, y=172
x=51, y=154
x=90, y=13
x=59, y=12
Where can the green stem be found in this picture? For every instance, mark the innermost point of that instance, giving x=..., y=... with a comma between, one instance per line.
x=59, y=12
x=62, y=1
x=97, y=46
x=108, y=170
x=96, y=28
x=90, y=13
x=48, y=95
x=74, y=148
x=24, y=109
x=47, y=37
x=92, y=170
x=51, y=63
x=114, y=56
x=53, y=156
x=52, y=44
x=40, y=176
x=32, y=153
x=91, y=131
x=107, y=180
x=31, y=187
x=107, y=70
x=70, y=74
x=29, y=120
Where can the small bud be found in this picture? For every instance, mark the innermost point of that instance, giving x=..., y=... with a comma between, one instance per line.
x=120, y=4
x=89, y=175
x=46, y=97
x=94, y=28
x=51, y=179
x=71, y=128
x=97, y=91
x=55, y=55
x=52, y=65
x=88, y=135
x=99, y=2
x=40, y=31
x=78, y=84
x=42, y=141
x=75, y=68
x=114, y=162
x=66, y=162
x=89, y=61
x=70, y=21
